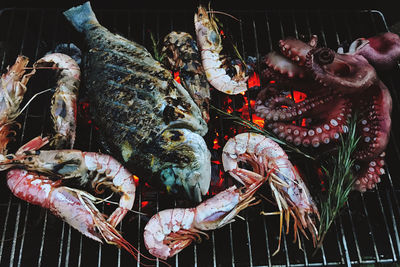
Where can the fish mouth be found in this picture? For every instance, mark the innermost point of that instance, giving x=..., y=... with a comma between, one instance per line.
x=184, y=163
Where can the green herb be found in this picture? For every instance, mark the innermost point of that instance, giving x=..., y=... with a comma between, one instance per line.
x=239, y=55
x=340, y=180
x=257, y=129
x=157, y=55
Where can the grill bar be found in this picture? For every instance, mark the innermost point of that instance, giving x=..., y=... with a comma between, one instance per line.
x=4, y=229
x=23, y=235
x=15, y=233
x=370, y=227
x=268, y=254
x=386, y=225
x=42, y=241
x=231, y=243
x=61, y=244
x=354, y=233
x=346, y=244
x=213, y=249
x=394, y=226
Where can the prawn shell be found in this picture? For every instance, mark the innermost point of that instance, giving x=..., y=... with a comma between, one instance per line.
x=210, y=212
x=161, y=225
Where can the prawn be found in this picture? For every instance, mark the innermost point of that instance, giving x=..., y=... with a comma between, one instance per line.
x=63, y=103
x=171, y=230
x=97, y=168
x=267, y=158
x=74, y=206
x=13, y=88
x=71, y=205
x=210, y=44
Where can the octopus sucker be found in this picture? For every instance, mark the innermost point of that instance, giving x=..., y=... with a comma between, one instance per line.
x=336, y=84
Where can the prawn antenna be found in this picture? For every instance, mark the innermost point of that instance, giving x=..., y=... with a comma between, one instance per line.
x=100, y=200
x=33, y=97
x=223, y=13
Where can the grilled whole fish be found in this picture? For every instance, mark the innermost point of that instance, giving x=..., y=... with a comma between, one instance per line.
x=145, y=117
x=182, y=55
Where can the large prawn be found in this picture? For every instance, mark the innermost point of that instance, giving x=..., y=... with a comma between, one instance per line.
x=171, y=230
x=210, y=44
x=267, y=158
x=63, y=103
x=12, y=91
x=89, y=167
x=76, y=207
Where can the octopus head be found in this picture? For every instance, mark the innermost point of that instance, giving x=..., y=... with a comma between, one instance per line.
x=382, y=51
x=345, y=73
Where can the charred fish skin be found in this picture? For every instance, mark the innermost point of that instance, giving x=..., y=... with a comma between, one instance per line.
x=182, y=55
x=146, y=117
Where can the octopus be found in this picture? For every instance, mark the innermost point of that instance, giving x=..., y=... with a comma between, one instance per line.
x=336, y=84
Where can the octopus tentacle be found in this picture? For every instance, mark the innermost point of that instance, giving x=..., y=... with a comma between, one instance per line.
x=369, y=173
x=306, y=136
x=284, y=66
x=314, y=133
x=375, y=123
x=297, y=50
x=283, y=108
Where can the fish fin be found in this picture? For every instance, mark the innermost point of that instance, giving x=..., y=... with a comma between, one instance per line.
x=82, y=17
x=197, y=193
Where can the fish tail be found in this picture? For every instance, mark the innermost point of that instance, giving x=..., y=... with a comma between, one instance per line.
x=82, y=17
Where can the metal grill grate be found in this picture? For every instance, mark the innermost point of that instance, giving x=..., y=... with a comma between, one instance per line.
x=366, y=232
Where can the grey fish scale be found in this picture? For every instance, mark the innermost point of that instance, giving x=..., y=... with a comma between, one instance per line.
x=140, y=75
x=107, y=93
x=145, y=117
x=132, y=76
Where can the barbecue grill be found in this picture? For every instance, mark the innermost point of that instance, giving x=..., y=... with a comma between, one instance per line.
x=367, y=231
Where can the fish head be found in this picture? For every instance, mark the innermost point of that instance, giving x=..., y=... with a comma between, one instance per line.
x=183, y=159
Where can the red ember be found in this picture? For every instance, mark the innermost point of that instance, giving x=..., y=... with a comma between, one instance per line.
x=254, y=80
x=176, y=77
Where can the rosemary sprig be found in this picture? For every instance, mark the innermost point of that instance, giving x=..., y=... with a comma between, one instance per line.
x=239, y=55
x=340, y=180
x=257, y=129
x=157, y=55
